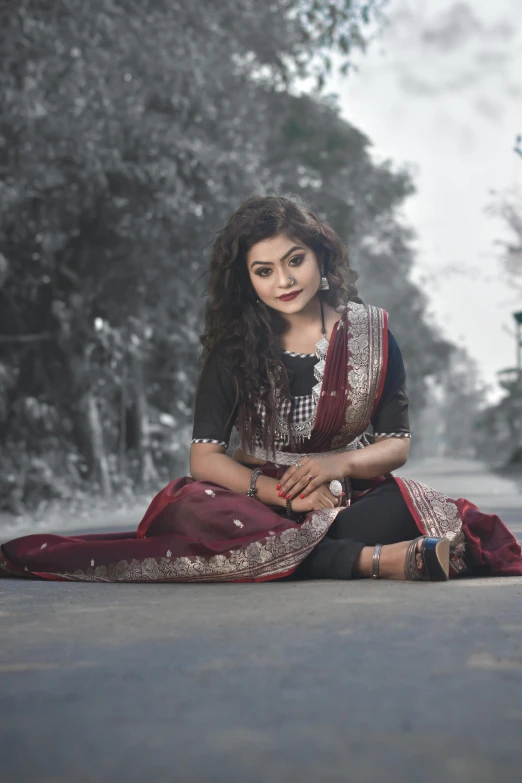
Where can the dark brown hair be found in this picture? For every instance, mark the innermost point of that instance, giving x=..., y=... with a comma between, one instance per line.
x=247, y=334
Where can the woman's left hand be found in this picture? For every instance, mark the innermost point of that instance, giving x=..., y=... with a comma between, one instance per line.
x=295, y=481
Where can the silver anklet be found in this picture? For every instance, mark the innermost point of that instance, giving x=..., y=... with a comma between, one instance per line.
x=375, y=561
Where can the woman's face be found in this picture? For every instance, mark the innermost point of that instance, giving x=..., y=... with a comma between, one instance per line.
x=270, y=264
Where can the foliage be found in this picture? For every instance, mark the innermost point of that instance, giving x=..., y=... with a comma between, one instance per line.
x=130, y=131
x=499, y=428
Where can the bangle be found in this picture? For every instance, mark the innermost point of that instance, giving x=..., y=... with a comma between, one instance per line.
x=295, y=516
x=251, y=491
x=347, y=486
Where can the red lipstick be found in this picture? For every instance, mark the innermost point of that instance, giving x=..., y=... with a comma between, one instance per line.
x=288, y=297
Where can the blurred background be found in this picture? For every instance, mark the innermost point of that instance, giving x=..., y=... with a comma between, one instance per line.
x=130, y=131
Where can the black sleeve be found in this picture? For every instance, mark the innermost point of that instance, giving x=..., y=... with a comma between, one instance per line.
x=391, y=418
x=215, y=403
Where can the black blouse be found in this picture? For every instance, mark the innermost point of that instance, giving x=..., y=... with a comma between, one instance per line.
x=216, y=410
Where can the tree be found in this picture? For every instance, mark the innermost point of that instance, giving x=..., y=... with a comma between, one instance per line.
x=129, y=133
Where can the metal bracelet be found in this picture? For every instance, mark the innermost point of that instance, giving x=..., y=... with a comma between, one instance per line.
x=295, y=516
x=251, y=491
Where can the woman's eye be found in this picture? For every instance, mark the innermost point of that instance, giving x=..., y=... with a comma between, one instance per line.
x=263, y=269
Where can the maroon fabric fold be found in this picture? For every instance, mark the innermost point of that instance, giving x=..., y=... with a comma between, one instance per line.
x=486, y=544
x=490, y=543
x=331, y=407
x=191, y=531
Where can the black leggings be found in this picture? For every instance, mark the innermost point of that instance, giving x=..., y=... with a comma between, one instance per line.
x=380, y=517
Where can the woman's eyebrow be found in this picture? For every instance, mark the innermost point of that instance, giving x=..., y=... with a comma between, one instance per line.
x=295, y=247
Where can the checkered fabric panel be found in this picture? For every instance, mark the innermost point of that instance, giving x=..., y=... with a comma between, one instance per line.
x=303, y=408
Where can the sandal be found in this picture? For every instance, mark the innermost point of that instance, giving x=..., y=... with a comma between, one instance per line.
x=430, y=563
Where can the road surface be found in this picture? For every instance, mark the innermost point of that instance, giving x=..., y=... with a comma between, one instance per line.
x=315, y=682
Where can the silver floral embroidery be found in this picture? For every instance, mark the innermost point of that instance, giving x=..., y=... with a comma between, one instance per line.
x=43, y=545
x=439, y=516
x=238, y=522
x=210, y=492
x=92, y=562
x=169, y=553
x=365, y=326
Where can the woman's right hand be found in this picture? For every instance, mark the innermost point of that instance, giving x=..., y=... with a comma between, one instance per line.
x=319, y=498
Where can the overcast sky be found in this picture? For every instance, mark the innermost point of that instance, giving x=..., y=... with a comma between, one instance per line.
x=441, y=91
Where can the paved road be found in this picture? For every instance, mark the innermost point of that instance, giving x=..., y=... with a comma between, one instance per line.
x=317, y=682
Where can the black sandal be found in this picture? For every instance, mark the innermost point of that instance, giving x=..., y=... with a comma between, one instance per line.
x=433, y=555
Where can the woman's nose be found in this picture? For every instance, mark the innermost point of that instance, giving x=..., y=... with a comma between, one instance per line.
x=284, y=280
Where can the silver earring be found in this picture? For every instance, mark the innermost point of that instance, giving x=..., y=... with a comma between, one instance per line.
x=324, y=285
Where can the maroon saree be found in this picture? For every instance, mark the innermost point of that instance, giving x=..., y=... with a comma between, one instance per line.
x=198, y=531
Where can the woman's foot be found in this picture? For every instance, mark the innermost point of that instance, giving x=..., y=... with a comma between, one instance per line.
x=391, y=561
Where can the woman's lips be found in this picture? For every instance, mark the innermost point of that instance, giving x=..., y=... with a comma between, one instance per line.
x=288, y=297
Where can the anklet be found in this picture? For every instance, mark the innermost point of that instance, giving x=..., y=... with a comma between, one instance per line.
x=375, y=561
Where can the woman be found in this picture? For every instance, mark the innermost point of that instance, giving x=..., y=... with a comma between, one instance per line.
x=297, y=363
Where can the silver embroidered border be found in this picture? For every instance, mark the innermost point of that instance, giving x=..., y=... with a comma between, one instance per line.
x=209, y=440
x=366, y=361
x=269, y=556
x=392, y=434
x=440, y=518
x=289, y=457
x=300, y=355
x=365, y=325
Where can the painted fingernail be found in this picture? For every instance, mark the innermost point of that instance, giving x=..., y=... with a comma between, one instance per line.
x=301, y=496
x=279, y=486
x=280, y=494
x=287, y=495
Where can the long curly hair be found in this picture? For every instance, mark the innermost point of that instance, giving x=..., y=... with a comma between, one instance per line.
x=248, y=334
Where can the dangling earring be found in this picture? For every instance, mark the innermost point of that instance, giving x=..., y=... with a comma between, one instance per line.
x=324, y=286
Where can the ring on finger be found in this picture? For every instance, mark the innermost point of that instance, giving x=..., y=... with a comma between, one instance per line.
x=310, y=478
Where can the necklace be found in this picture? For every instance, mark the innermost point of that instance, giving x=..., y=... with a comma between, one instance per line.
x=321, y=349
x=303, y=429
